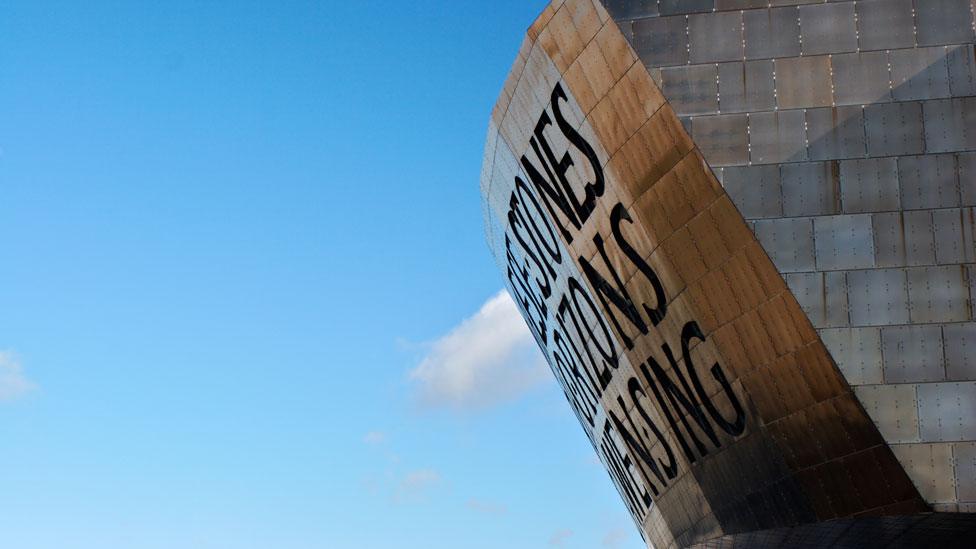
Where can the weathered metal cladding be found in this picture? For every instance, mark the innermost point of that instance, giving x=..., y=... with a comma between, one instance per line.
x=702, y=385
x=852, y=158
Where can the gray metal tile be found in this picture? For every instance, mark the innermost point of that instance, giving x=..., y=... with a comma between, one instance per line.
x=869, y=185
x=878, y=297
x=967, y=178
x=946, y=411
x=919, y=73
x=835, y=132
x=723, y=139
x=964, y=454
x=950, y=124
x=755, y=190
x=827, y=28
x=938, y=294
x=930, y=468
x=673, y=7
x=941, y=22
x=746, y=86
x=661, y=41
x=810, y=188
x=885, y=24
x=808, y=288
x=913, y=353
x=631, y=9
x=843, y=242
x=893, y=408
x=919, y=237
x=954, y=236
x=777, y=136
x=803, y=82
x=691, y=89
x=889, y=242
x=960, y=351
x=773, y=32
x=861, y=78
x=894, y=129
x=857, y=352
x=962, y=70
x=928, y=181
x=715, y=37
x=837, y=311
x=788, y=241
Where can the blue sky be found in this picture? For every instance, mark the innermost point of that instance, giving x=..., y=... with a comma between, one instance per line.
x=243, y=286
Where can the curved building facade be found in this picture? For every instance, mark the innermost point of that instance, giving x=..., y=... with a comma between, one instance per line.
x=743, y=233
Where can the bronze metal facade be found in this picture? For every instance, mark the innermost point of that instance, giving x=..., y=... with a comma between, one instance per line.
x=743, y=236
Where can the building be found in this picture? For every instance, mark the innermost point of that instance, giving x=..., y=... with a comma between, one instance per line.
x=743, y=233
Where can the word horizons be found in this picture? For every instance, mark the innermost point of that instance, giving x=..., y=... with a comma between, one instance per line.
x=581, y=346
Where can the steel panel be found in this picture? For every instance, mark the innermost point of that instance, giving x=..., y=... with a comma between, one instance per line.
x=913, y=353
x=950, y=125
x=803, y=82
x=746, y=86
x=878, y=297
x=777, y=136
x=810, y=188
x=960, y=351
x=954, y=233
x=893, y=129
x=808, y=289
x=857, y=352
x=940, y=22
x=771, y=33
x=843, y=242
x=919, y=238
x=962, y=70
x=869, y=185
x=835, y=132
x=755, y=190
x=861, y=78
x=947, y=411
x=674, y=7
x=838, y=308
x=661, y=41
x=964, y=454
x=828, y=28
x=788, y=241
x=893, y=408
x=885, y=24
x=715, y=37
x=938, y=294
x=920, y=73
x=928, y=181
x=723, y=139
x=930, y=466
x=631, y=9
x=691, y=89
x=967, y=178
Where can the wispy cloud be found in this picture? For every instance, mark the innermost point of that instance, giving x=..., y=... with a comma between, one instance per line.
x=489, y=358
x=614, y=538
x=13, y=383
x=374, y=437
x=559, y=537
x=416, y=485
x=486, y=507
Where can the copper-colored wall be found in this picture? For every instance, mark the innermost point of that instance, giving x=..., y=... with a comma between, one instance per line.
x=698, y=378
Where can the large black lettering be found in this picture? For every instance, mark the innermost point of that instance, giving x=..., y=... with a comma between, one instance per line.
x=618, y=214
x=618, y=296
x=551, y=244
x=526, y=296
x=551, y=191
x=735, y=427
x=590, y=190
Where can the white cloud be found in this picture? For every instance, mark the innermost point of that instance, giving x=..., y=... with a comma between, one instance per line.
x=416, y=484
x=488, y=359
x=374, y=437
x=486, y=507
x=13, y=383
x=614, y=538
x=560, y=537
